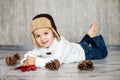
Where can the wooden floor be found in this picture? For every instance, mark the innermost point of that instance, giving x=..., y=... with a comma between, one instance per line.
x=105, y=69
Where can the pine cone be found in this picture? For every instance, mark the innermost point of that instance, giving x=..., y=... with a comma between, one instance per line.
x=85, y=65
x=10, y=61
x=16, y=56
x=53, y=65
x=89, y=65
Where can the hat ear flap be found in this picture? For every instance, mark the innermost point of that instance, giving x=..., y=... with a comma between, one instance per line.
x=55, y=33
x=34, y=41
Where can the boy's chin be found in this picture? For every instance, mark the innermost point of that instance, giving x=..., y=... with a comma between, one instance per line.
x=46, y=46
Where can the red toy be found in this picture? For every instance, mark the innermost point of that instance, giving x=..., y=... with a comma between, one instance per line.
x=26, y=68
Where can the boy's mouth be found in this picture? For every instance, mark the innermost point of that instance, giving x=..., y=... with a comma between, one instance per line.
x=44, y=42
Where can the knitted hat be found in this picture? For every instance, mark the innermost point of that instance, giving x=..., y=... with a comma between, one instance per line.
x=43, y=21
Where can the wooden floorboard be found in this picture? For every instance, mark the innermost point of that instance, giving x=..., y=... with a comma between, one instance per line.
x=105, y=69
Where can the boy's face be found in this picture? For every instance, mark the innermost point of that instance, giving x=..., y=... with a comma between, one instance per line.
x=44, y=37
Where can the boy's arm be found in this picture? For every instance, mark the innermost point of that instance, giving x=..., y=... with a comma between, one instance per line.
x=60, y=54
x=32, y=53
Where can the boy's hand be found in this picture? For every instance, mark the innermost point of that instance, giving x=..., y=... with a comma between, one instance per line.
x=25, y=63
x=29, y=61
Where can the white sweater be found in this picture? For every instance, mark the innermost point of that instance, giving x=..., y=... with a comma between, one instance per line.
x=63, y=50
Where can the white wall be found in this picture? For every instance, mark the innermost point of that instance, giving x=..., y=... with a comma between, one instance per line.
x=72, y=17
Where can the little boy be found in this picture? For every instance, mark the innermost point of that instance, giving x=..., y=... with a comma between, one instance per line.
x=51, y=46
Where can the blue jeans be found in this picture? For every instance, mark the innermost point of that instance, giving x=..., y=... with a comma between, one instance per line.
x=94, y=48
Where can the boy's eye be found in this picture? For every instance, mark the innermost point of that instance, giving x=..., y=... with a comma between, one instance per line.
x=37, y=35
x=46, y=33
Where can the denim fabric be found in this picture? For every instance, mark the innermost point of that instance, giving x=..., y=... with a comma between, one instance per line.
x=94, y=48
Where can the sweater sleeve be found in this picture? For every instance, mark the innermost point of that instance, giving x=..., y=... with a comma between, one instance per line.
x=39, y=61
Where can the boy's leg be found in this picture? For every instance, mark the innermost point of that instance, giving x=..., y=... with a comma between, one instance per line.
x=99, y=44
x=98, y=49
x=91, y=52
x=86, y=38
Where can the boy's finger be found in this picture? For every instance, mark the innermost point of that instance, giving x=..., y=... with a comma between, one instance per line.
x=29, y=57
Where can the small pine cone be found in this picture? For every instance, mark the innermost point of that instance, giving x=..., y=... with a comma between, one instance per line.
x=82, y=65
x=13, y=61
x=7, y=60
x=53, y=65
x=16, y=56
x=10, y=61
x=49, y=65
x=85, y=65
x=89, y=65
x=57, y=64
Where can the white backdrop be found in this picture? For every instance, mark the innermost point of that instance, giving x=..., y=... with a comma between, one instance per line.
x=72, y=17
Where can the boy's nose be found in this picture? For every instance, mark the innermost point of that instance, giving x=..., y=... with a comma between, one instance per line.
x=42, y=38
